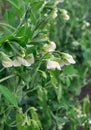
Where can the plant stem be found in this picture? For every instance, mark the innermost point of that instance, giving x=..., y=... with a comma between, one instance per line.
x=7, y=77
x=7, y=25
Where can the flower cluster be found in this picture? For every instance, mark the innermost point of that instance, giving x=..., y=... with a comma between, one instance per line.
x=18, y=61
x=56, y=63
x=79, y=113
x=55, y=11
x=52, y=62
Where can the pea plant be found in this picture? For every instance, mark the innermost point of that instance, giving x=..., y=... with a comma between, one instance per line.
x=35, y=74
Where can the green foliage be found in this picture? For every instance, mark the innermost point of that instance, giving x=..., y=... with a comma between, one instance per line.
x=9, y=96
x=39, y=89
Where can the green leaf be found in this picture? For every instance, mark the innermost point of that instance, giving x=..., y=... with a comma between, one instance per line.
x=59, y=92
x=8, y=95
x=13, y=3
x=19, y=119
x=70, y=70
x=43, y=74
x=35, y=117
x=67, y=80
x=86, y=105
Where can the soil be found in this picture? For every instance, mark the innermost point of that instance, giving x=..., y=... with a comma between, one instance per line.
x=86, y=90
x=80, y=128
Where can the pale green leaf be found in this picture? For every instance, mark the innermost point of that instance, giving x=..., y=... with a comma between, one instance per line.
x=8, y=95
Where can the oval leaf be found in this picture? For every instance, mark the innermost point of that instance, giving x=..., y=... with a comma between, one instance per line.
x=8, y=95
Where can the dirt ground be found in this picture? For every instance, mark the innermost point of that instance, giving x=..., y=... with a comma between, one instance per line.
x=86, y=90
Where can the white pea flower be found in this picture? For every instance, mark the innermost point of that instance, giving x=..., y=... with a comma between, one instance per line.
x=58, y=1
x=6, y=61
x=69, y=59
x=65, y=14
x=61, y=62
x=79, y=116
x=18, y=61
x=89, y=122
x=64, y=11
x=49, y=47
x=29, y=60
x=85, y=24
x=54, y=15
x=21, y=61
x=83, y=124
x=66, y=60
x=53, y=65
x=57, y=63
x=66, y=17
x=45, y=14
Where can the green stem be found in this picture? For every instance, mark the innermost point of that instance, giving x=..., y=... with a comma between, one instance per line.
x=38, y=66
x=7, y=25
x=2, y=70
x=86, y=127
x=7, y=77
x=35, y=74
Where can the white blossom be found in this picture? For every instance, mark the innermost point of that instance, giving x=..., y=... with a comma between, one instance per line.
x=53, y=65
x=64, y=11
x=69, y=59
x=54, y=15
x=89, y=122
x=65, y=14
x=66, y=17
x=85, y=24
x=66, y=60
x=29, y=60
x=58, y=1
x=59, y=63
x=45, y=14
x=49, y=47
x=21, y=61
x=6, y=61
x=18, y=61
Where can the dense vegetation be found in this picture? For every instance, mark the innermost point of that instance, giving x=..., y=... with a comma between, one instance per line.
x=45, y=61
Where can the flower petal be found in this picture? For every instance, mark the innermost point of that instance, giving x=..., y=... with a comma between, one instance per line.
x=18, y=61
x=7, y=63
x=29, y=60
x=49, y=47
x=70, y=58
x=53, y=65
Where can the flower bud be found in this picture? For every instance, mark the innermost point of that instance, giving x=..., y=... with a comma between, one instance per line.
x=54, y=15
x=49, y=47
x=69, y=59
x=58, y=1
x=28, y=60
x=6, y=61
